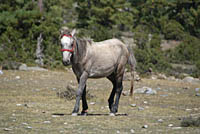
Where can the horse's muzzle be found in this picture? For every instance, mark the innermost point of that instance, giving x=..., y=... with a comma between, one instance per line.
x=66, y=63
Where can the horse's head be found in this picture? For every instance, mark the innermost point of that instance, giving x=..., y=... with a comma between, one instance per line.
x=67, y=44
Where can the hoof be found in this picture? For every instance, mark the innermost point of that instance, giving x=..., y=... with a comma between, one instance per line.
x=84, y=113
x=74, y=114
x=112, y=114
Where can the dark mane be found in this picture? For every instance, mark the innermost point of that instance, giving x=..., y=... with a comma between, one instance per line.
x=80, y=49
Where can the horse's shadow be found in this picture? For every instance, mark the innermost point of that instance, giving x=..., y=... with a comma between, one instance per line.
x=89, y=114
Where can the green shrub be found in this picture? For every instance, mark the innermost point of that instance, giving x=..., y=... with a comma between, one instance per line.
x=173, y=30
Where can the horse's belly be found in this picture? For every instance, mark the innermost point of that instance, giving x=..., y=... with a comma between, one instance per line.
x=101, y=71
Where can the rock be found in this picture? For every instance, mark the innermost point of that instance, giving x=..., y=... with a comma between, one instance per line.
x=197, y=89
x=162, y=76
x=1, y=72
x=160, y=120
x=125, y=93
x=145, y=102
x=137, y=77
x=140, y=108
x=145, y=126
x=170, y=125
x=132, y=131
x=7, y=129
x=118, y=132
x=197, y=94
x=17, y=77
x=133, y=105
x=23, y=67
x=29, y=127
x=153, y=77
x=92, y=103
x=172, y=78
x=145, y=90
x=18, y=104
x=191, y=80
x=47, y=122
x=176, y=128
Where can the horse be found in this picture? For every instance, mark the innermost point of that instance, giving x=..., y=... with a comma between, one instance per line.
x=96, y=60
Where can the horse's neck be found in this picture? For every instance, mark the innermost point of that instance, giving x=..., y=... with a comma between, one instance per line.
x=80, y=51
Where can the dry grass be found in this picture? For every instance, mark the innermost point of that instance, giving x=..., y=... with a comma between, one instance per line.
x=28, y=105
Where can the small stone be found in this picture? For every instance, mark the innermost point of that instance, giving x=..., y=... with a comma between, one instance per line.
x=145, y=126
x=47, y=122
x=160, y=120
x=55, y=116
x=133, y=105
x=118, y=132
x=1, y=72
x=145, y=90
x=92, y=103
x=140, y=108
x=24, y=123
x=23, y=67
x=19, y=104
x=145, y=102
x=188, y=109
x=7, y=129
x=53, y=89
x=29, y=127
x=132, y=131
x=112, y=114
x=170, y=125
x=17, y=77
x=74, y=114
x=177, y=128
x=197, y=94
x=162, y=76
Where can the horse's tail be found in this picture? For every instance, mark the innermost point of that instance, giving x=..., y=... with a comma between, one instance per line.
x=132, y=62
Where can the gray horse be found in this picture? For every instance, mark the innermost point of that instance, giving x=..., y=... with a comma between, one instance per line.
x=96, y=60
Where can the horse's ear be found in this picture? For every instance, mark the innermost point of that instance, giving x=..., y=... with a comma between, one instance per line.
x=73, y=32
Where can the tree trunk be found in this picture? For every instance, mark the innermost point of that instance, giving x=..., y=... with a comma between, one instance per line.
x=39, y=49
x=40, y=5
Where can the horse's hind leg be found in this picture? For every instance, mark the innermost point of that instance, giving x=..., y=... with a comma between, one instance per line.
x=112, y=95
x=119, y=88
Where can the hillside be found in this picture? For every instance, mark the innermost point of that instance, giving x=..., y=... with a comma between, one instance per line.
x=29, y=29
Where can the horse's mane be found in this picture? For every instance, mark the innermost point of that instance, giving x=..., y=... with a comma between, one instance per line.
x=80, y=50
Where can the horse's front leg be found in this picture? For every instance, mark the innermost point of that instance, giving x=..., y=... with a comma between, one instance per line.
x=82, y=84
x=84, y=102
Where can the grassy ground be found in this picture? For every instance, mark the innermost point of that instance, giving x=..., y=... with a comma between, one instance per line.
x=29, y=104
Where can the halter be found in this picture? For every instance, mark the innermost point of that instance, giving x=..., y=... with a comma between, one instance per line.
x=69, y=50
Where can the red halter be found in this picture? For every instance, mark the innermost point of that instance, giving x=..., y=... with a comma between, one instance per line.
x=69, y=50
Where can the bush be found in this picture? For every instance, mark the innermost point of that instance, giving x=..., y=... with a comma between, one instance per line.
x=173, y=30
x=148, y=53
